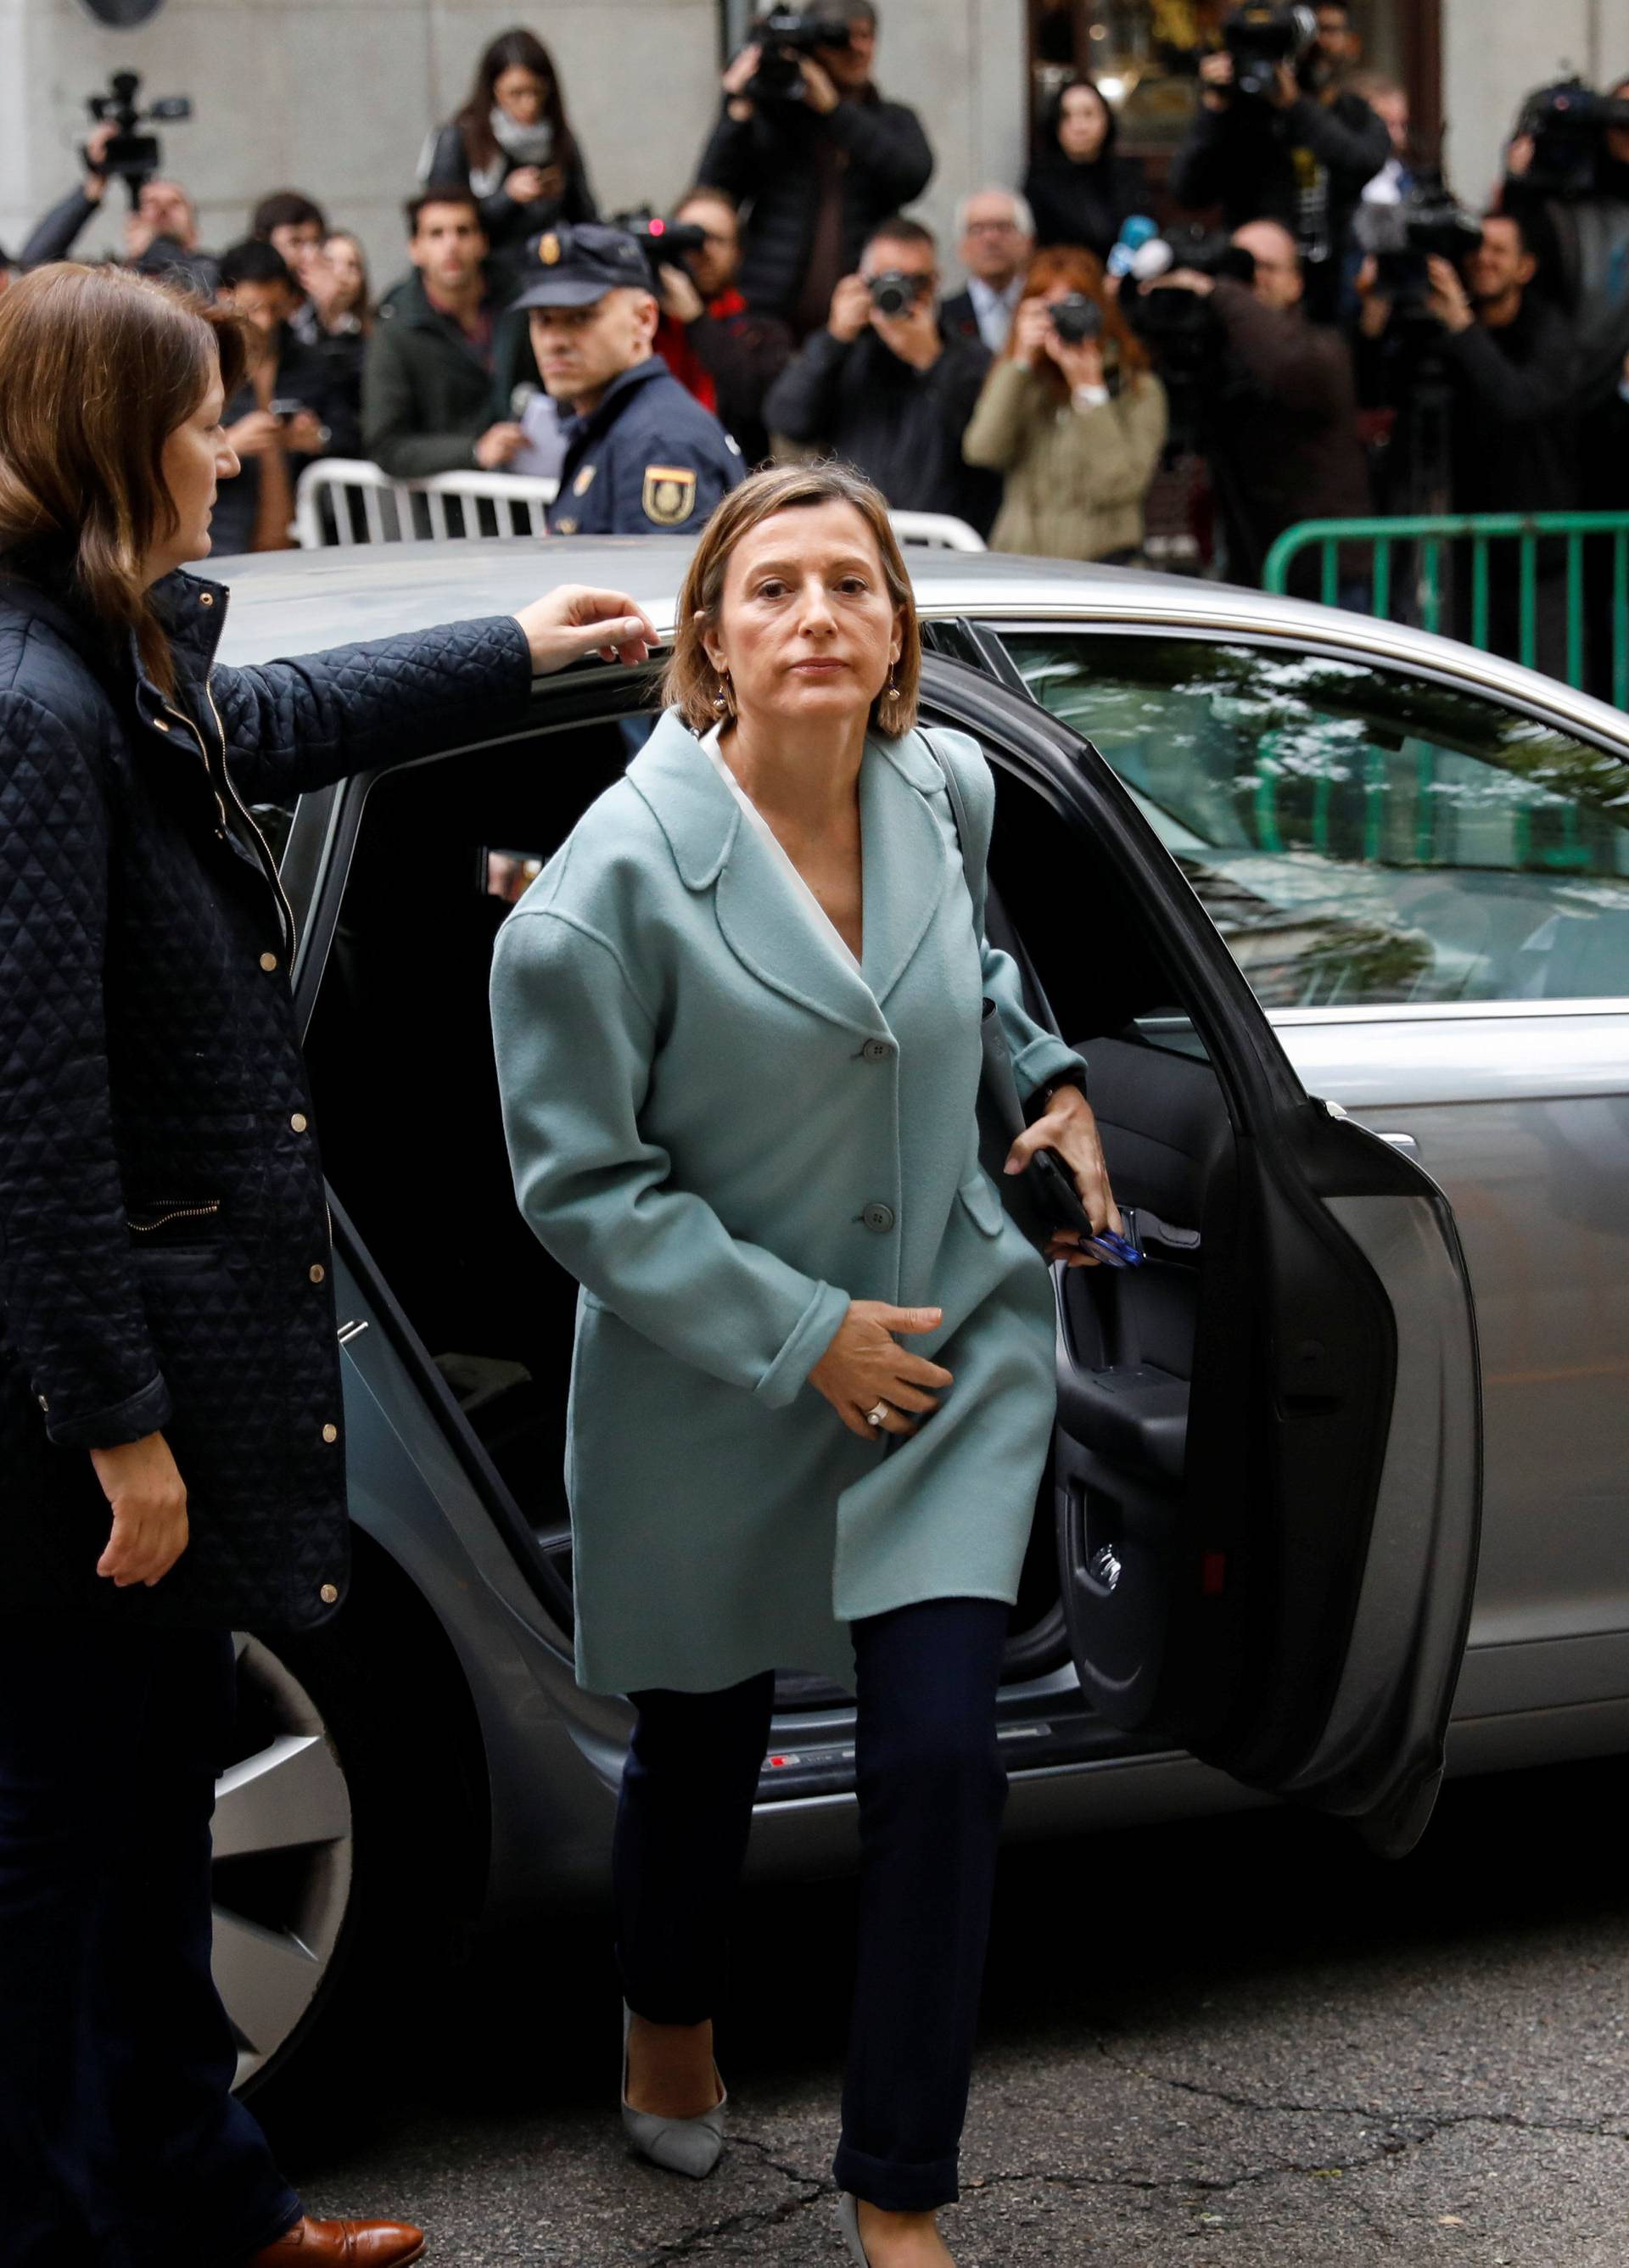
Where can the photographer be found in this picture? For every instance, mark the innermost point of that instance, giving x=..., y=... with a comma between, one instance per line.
x=1508, y=362
x=1281, y=421
x=1277, y=137
x=276, y=420
x=708, y=336
x=1074, y=417
x=884, y=388
x=428, y=376
x=1566, y=183
x=812, y=156
x=160, y=230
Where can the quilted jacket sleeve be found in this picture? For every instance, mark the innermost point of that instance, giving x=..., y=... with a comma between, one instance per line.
x=70, y=1297
x=293, y=725
x=575, y=1048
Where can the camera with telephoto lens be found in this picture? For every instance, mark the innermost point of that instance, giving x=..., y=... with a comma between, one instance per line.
x=1077, y=318
x=896, y=293
x=1261, y=39
x=1429, y=223
x=131, y=156
x=665, y=243
x=1566, y=123
x=783, y=38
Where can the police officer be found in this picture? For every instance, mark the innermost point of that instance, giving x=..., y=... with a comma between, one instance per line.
x=642, y=455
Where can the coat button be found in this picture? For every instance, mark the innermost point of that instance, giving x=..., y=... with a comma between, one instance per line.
x=329, y=1594
x=879, y=1216
x=316, y=1271
x=269, y=960
x=299, y=1121
x=878, y=1050
x=206, y=598
x=330, y=1432
x=44, y=1405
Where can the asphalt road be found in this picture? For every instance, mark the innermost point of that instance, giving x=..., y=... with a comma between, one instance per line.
x=1237, y=2044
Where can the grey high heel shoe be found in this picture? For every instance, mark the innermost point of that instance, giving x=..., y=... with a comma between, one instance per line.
x=679, y=2146
x=848, y=2221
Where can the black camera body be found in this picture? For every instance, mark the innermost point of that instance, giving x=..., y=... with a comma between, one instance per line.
x=1566, y=123
x=784, y=36
x=132, y=157
x=895, y=294
x=1077, y=318
x=1429, y=223
x=665, y=243
x=1261, y=37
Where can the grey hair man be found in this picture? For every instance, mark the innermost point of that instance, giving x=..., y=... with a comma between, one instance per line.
x=995, y=237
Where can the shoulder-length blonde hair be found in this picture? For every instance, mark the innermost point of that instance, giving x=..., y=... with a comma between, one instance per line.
x=691, y=681
x=97, y=367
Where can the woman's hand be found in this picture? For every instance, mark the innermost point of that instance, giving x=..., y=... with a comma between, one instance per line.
x=149, y=1500
x=574, y=620
x=1069, y=1127
x=525, y=186
x=254, y=435
x=1032, y=331
x=865, y=1364
x=1081, y=365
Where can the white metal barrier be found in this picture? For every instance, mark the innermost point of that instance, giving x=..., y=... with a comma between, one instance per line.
x=334, y=489
x=348, y=485
x=939, y=530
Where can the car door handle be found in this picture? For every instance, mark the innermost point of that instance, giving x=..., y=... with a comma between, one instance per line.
x=1406, y=1142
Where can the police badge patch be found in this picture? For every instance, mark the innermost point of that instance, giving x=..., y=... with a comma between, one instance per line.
x=669, y=496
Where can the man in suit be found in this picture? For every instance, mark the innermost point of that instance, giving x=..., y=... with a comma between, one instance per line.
x=996, y=234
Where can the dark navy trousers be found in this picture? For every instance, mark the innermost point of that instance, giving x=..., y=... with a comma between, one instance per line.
x=932, y=1788
x=120, y=2143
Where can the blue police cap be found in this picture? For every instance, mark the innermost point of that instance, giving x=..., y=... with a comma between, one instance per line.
x=572, y=267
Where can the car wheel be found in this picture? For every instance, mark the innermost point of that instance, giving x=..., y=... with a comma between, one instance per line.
x=284, y=1860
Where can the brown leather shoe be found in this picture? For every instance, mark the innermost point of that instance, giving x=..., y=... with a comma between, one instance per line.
x=342, y=2244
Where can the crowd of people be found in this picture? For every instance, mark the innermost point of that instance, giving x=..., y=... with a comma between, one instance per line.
x=1325, y=360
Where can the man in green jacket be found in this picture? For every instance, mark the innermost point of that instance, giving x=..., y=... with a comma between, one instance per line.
x=428, y=382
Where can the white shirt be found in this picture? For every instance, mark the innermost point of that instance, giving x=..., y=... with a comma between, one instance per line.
x=778, y=849
x=993, y=309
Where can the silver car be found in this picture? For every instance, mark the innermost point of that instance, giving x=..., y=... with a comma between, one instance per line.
x=1250, y=853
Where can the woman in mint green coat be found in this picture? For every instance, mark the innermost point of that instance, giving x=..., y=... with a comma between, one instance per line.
x=737, y=1022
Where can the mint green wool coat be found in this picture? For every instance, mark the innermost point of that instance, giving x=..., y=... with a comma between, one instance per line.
x=726, y=1132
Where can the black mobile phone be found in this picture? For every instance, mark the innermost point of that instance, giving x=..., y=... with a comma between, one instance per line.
x=282, y=409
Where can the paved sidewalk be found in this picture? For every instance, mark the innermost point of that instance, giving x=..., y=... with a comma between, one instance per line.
x=1237, y=2044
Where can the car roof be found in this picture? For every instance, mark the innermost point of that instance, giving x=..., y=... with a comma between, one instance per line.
x=292, y=602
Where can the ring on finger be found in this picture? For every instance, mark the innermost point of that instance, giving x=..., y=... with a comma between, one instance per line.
x=877, y=1413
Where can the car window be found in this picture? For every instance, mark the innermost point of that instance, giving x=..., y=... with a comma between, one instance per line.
x=1358, y=835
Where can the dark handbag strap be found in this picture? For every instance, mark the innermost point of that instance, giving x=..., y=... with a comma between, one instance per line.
x=999, y=1091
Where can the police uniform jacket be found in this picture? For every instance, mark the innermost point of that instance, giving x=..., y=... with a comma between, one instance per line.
x=726, y=1129
x=648, y=458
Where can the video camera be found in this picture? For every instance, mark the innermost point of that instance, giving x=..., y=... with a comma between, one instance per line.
x=663, y=242
x=784, y=36
x=1429, y=223
x=131, y=156
x=1566, y=123
x=1261, y=37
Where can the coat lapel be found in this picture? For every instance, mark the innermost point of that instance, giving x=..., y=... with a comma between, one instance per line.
x=905, y=867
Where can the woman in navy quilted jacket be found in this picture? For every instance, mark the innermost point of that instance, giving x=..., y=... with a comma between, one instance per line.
x=171, y=1454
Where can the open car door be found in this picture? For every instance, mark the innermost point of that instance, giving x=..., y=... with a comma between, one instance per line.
x=1267, y=1465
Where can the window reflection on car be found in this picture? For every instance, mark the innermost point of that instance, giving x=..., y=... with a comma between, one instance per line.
x=1360, y=837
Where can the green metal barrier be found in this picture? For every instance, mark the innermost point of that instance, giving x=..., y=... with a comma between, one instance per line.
x=1480, y=530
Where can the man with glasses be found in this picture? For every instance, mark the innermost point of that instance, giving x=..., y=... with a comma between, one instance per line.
x=997, y=233
x=708, y=336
